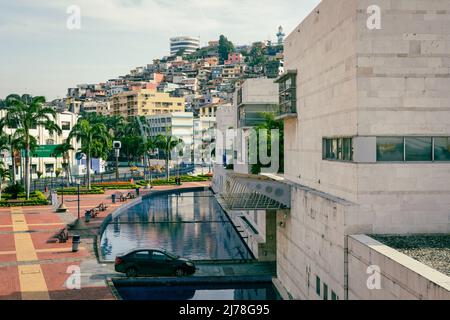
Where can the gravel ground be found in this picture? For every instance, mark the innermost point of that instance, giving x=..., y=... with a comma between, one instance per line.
x=432, y=250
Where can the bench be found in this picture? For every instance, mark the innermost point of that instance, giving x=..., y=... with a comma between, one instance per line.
x=131, y=195
x=102, y=207
x=62, y=236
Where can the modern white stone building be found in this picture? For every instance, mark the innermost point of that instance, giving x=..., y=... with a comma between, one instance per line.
x=367, y=150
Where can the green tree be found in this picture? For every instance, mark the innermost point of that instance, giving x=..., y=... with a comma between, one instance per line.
x=63, y=150
x=270, y=123
x=225, y=47
x=167, y=143
x=25, y=114
x=95, y=142
x=151, y=145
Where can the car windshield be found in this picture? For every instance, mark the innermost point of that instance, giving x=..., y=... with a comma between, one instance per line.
x=170, y=255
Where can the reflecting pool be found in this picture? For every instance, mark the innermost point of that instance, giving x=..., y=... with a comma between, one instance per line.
x=189, y=224
x=245, y=291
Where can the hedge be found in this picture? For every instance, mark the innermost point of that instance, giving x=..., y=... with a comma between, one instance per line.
x=115, y=186
x=37, y=198
x=74, y=191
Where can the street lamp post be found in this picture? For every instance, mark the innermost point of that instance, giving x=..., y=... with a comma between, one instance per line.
x=78, y=224
x=62, y=207
x=117, y=145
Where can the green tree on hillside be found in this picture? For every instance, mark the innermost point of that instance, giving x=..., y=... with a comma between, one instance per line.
x=225, y=47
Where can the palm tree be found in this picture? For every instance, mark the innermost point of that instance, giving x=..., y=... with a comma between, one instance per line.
x=28, y=113
x=63, y=150
x=150, y=147
x=167, y=143
x=95, y=141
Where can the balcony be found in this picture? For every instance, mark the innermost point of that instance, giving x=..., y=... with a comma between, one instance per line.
x=288, y=95
x=251, y=115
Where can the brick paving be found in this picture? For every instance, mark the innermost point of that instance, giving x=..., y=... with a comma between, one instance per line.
x=34, y=267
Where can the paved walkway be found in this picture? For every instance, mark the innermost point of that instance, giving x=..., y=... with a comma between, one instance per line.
x=32, y=266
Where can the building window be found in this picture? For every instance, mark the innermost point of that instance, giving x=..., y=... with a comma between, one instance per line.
x=33, y=168
x=418, y=149
x=50, y=142
x=325, y=291
x=334, y=296
x=390, y=149
x=337, y=149
x=413, y=149
x=49, y=167
x=318, y=286
x=442, y=149
x=65, y=125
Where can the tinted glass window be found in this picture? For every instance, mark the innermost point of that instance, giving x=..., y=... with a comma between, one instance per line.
x=348, y=149
x=418, y=149
x=390, y=149
x=159, y=256
x=442, y=149
x=142, y=255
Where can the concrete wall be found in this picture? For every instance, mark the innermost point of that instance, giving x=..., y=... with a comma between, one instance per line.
x=401, y=276
x=404, y=89
x=353, y=81
x=311, y=242
x=259, y=90
x=323, y=51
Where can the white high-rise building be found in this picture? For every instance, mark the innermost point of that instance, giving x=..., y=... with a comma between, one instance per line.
x=188, y=44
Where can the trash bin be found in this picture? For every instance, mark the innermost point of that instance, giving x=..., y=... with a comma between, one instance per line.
x=137, y=192
x=113, y=197
x=75, y=243
x=87, y=216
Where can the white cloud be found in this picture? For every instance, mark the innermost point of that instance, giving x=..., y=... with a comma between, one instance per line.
x=121, y=34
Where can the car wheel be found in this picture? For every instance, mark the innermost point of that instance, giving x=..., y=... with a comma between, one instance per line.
x=131, y=272
x=180, y=272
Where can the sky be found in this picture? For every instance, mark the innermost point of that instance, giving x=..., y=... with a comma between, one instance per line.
x=40, y=55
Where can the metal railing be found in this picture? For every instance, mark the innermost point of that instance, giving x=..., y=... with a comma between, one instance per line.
x=54, y=183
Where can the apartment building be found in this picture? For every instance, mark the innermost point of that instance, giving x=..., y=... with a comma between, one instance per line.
x=366, y=116
x=98, y=107
x=43, y=157
x=145, y=102
x=177, y=124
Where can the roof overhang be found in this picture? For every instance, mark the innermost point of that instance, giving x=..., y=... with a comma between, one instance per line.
x=255, y=192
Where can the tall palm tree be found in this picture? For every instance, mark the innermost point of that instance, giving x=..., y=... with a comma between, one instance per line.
x=95, y=140
x=28, y=113
x=167, y=143
x=115, y=125
x=63, y=150
x=150, y=147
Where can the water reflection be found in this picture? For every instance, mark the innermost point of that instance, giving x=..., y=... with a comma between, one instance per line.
x=261, y=291
x=191, y=224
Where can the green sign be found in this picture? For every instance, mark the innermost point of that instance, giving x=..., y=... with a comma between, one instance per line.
x=44, y=151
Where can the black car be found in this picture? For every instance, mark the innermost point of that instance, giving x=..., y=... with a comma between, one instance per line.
x=153, y=262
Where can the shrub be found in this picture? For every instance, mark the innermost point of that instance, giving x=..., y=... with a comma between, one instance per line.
x=74, y=191
x=37, y=198
x=115, y=185
x=14, y=190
